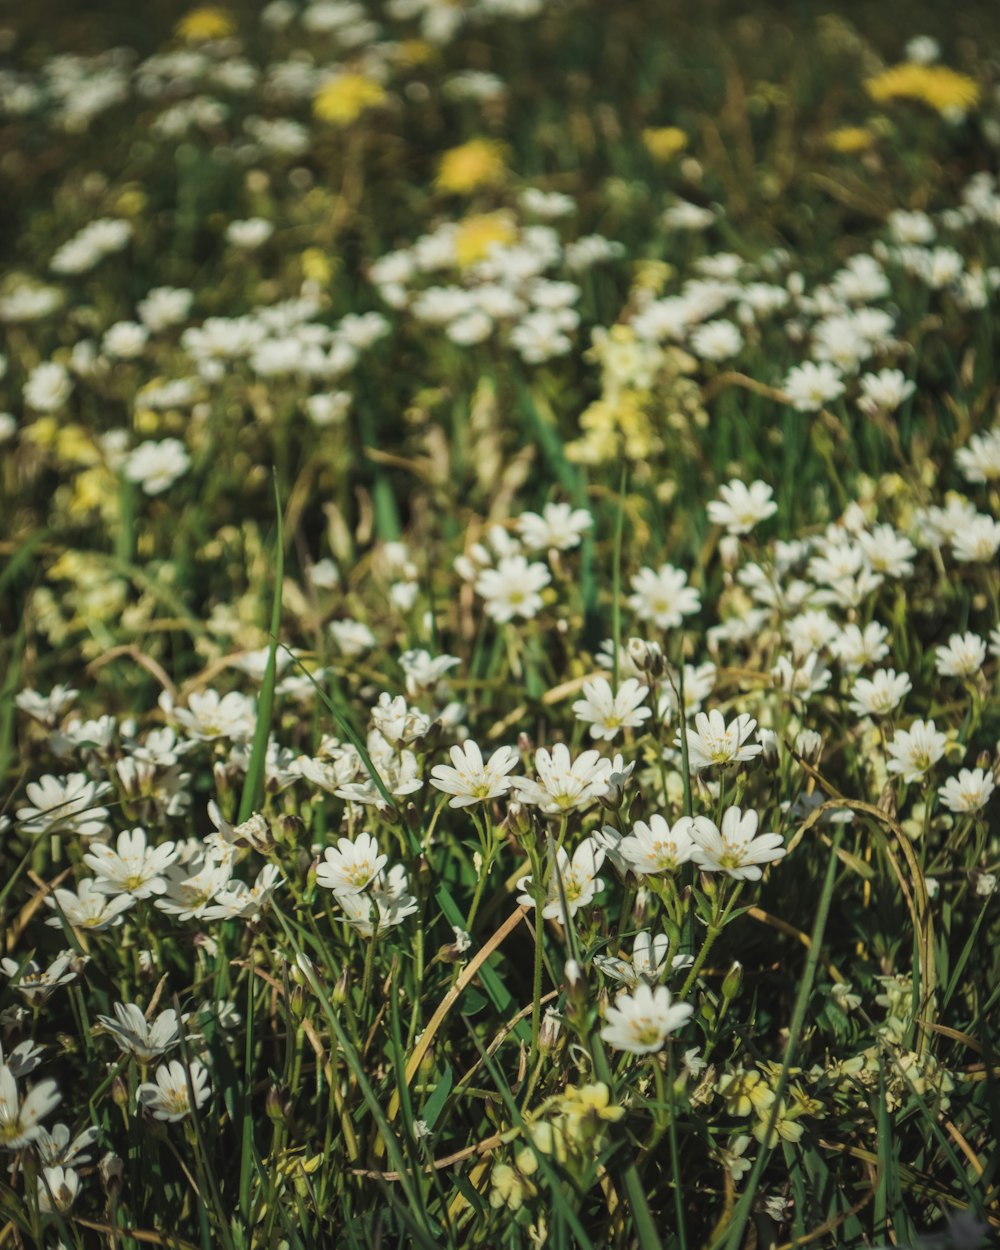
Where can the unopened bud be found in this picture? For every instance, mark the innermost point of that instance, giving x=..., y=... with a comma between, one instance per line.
x=548, y=1034
x=339, y=995
x=732, y=981
x=729, y=551
x=288, y=829
x=111, y=1170
x=278, y=1104
x=119, y=1092
x=647, y=656
x=518, y=822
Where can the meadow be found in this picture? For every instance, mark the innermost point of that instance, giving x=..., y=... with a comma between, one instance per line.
x=499, y=626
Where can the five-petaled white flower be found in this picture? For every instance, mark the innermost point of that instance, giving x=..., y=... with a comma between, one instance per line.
x=914, y=752
x=471, y=780
x=564, y=783
x=350, y=867
x=714, y=743
x=734, y=847
x=642, y=1021
x=741, y=507
x=657, y=847
x=168, y=1098
x=608, y=713
x=574, y=879
x=20, y=1117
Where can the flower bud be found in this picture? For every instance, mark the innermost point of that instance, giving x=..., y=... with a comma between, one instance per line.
x=111, y=1170
x=732, y=981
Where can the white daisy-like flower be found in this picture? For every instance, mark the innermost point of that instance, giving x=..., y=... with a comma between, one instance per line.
x=647, y=963
x=913, y=752
x=20, y=1117
x=642, y=1021
x=970, y=791
x=713, y=743
x=471, y=780
x=881, y=695
x=734, y=847
x=57, y=1188
x=663, y=598
x=88, y=908
x=65, y=805
x=167, y=1098
x=387, y=904
x=740, y=507
x=132, y=867
x=558, y=528
x=608, y=713
x=134, y=1034
x=513, y=588
x=350, y=867
x=575, y=878
x=963, y=656
x=655, y=847
x=810, y=386
x=563, y=784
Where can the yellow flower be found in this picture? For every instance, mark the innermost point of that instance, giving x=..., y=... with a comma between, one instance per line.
x=414, y=52
x=206, y=23
x=343, y=100
x=943, y=89
x=476, y=235
x=316, y=265
x=591, y=1101
x=663, y=143
x=850, y=139
x=478, y=163
x=95, y=490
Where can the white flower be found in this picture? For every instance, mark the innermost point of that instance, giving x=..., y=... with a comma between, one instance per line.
x=558, y=528
x=881, y=695
x=741, y=507
x=88, y=908
x=716, y=340
x=914, y=752
x=657, y=847
x=125, y=340
x=977, y=540
x=351, y=637
x=735, y=847
x=37, y=982
x=189, y=896
x=155, y=466
x=963, y=656
x=471, y=780
x=856, y=649
x=134, y=868
x=884, y=392
x=663, y=598
x=145, y=1039
x=648, y=961
x=19, y=1117
x=642, y=1021
x=48, y=387
x=607, y=713
x=970, y=791
x=809, y=386
x=512, y=588
x=57, y=1188
x=210, y=715
x=805, y=677
x=575, y=878
x=350, y=867
x=250, y=233
x=388, y=904
x=980, y=460
x=65, y=805
x=563, y=784
x=714, y=743
x=168, y=1098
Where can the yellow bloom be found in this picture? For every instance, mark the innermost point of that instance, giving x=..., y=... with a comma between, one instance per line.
x=95, y=490
x=850, y=139
x=343, y=100
x=476, y=235
x=206, y=23
x=316, y=265
x=478, y=163
x=942, y=88
x=663, y=143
